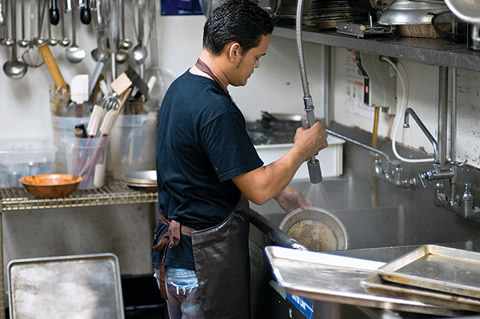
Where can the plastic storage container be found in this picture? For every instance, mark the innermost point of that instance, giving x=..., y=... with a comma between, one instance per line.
x=331, y=158
x=25, y=157
x=63, y=127
x=87, y=157
x=132, y=144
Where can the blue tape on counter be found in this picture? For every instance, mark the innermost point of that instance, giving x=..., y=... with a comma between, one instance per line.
x=304, y=305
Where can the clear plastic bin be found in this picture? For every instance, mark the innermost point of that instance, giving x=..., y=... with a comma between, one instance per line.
x=132, y=143
x=87, y=157
x=63, y=127
x=25, y=157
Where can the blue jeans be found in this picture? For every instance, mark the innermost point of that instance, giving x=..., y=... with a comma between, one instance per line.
x=182, y=294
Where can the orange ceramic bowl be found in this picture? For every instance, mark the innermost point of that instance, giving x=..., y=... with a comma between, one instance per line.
x=50, y=185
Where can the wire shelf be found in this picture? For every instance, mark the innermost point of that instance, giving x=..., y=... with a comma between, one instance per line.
x=114, y=193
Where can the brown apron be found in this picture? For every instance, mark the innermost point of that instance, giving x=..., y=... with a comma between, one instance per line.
x=222, y=265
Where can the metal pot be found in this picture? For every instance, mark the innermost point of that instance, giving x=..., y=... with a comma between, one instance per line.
x=316, y=229
x=406, y=12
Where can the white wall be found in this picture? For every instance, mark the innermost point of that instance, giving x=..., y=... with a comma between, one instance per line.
x=423, y=98
x=274, y=87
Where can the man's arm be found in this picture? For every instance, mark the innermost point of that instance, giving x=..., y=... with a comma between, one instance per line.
x=266, y=182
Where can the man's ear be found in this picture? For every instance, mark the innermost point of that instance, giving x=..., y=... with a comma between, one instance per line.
x=234, y=51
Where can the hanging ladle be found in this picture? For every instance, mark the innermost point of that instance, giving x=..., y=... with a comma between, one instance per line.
x=14, y=68
x=124, y=43
x=139, y=52
x=65, y=42
x=74, y=54
x=41, y=14
x=23, y=42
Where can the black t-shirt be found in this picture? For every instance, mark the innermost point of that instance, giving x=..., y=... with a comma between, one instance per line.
x=202, y=144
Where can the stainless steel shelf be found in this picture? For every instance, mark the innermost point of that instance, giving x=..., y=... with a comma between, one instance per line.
x=116, y=192
x=430, y=51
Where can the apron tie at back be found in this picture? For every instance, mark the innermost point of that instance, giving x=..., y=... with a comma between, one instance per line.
x=172, y=239
x=172, y=236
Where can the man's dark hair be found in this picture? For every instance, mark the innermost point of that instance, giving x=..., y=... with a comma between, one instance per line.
x=240, y=21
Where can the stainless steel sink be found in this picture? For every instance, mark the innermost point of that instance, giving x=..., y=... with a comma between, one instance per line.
x=383, y=225
x=386, y=223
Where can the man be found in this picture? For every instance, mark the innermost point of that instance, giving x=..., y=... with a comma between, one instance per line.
x=205, y=161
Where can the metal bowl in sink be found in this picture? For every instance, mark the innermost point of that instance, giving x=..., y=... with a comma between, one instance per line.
x=316, y=229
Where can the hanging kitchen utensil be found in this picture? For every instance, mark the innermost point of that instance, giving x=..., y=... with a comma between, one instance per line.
x=14, y=68
x=41, y=14
x=6, y=40
x=23, y=42
x=2, y=16
x=54, y=13
x=98, y=25
x=74, y=53
x=100, y=53
x=85, y=14
x=65, y=41
x=32, y=56
x=51, y=40
x=124, y=42
x=139, y=51
x=110, y=14
x=68, y=6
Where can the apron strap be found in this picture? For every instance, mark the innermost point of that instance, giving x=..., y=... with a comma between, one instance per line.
x=202, y=66
x=170, y=239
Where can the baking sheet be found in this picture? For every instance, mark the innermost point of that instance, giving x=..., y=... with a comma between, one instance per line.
x=83, y=286
x=438, y=268
x=376, y=285
x=327, y=277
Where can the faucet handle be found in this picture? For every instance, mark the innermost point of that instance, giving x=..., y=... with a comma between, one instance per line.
x=423, y=179
x=467, y=193
x=458, y=164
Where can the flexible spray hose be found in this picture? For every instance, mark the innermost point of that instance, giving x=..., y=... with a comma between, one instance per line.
x=313, y=164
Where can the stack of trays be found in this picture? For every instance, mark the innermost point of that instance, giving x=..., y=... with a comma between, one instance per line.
x=436, y=275
x=320, y=14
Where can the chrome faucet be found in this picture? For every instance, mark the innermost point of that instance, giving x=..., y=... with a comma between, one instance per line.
x=437, y=172
x=425, y=131
x=461, y=206
x=393, y=175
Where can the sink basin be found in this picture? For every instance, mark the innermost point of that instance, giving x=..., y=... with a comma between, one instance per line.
x=392, y=221
x=382, y=225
